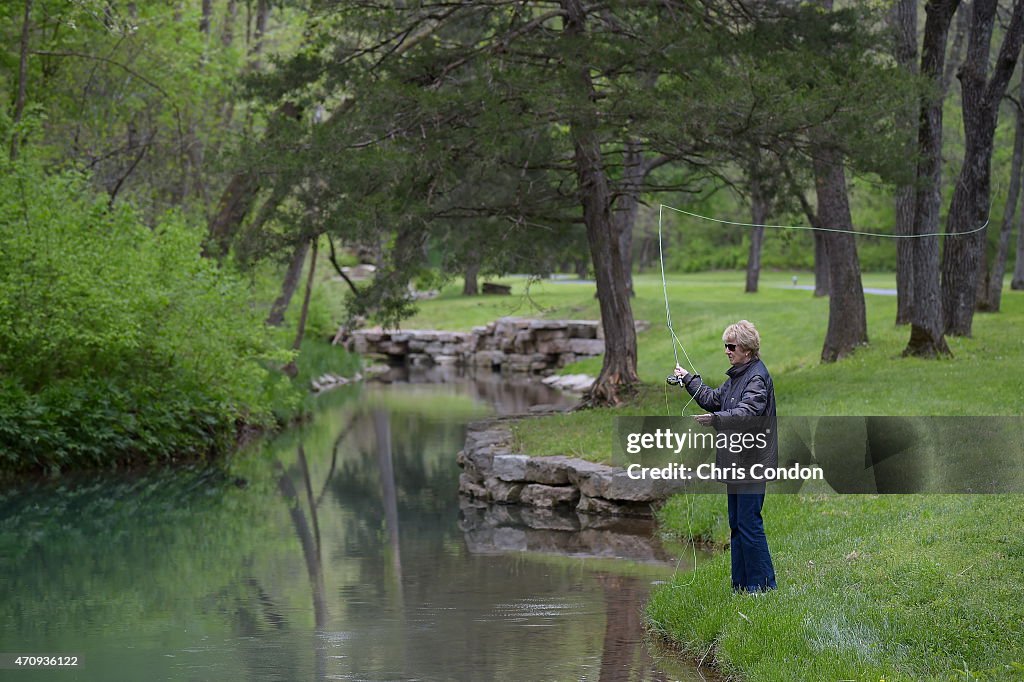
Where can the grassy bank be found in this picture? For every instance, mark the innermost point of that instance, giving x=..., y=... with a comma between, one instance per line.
x=871, y=587
x=875, y=381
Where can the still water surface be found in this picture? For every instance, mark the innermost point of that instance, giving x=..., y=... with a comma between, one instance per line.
x=337, y=551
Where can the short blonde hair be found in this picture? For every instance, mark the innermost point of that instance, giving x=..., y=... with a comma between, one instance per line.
x=744, y=333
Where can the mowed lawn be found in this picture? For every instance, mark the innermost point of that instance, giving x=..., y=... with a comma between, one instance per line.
x=984, y=377
x=870, y=587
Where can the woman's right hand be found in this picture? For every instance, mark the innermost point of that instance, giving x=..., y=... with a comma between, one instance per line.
x=680, y=372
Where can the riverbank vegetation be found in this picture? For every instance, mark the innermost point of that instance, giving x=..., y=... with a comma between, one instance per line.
x=119, y=344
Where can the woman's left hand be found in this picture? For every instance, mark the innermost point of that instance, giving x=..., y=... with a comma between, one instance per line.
x=704, y=419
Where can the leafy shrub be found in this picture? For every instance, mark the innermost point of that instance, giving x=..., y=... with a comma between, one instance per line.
x=118, y=342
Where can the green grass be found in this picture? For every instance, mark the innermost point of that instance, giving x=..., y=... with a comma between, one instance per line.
x=530, y=298
x=874, y=381
x=871, y=587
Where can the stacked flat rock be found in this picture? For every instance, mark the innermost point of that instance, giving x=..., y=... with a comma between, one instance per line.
x=510, y=343
x=491, y=472
x=500, y=528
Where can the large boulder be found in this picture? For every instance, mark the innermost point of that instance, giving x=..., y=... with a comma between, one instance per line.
x=488, y=358
x=583, y=329
x=546, y=518
x=553, y=346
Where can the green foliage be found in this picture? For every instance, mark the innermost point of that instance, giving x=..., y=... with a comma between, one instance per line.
x=117, y=342
x=138, y=93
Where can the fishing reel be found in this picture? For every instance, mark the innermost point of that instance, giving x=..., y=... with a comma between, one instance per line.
x=673, y=380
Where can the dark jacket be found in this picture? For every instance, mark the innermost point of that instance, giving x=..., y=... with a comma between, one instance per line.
x=745, y=403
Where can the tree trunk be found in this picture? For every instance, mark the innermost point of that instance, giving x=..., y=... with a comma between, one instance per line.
x=241, y=192
x=991, y=294
x=195, y=151
x=333, y=258
x=926, y=337
x=256, y=46
x=292, y=369
x=754, y=257
x=204, y=19
x=19, y=102
x=290, y=284
x=227, y=37
x=905, y=199
x=904, y=23
x=300, y=333
x=820, y=256
x=247, y=241
x=618, y=372
x=758, y=216
x=628, y=206
x=469, y=287
x=1017, y=283
x=234, y=205
x=968, y=210
x=821, y=267
x=847, y=317
x=227, y=34
x=952, y=61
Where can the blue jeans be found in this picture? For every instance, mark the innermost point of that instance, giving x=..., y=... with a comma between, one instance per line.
x=752, y=568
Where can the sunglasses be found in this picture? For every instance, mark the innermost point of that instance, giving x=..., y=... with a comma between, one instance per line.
x=731, y=346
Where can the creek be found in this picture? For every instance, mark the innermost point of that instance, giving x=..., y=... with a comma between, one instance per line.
x=339, y=550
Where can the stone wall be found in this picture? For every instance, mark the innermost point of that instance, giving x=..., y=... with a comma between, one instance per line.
x=492, y=472
x=499, y=528
x=509, y=344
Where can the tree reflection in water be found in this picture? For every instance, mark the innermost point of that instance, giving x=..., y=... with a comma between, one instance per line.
x=311, y=551
x=340, y=555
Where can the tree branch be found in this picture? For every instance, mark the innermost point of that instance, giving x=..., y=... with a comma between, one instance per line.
x=337, y=268
x=107, y=60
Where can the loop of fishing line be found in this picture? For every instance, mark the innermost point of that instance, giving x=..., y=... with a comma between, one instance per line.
x=677, y=344
x=809, y=228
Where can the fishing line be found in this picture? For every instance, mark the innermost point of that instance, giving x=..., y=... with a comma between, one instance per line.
x=675, y=353
x=813, y=229
x=677, y=343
